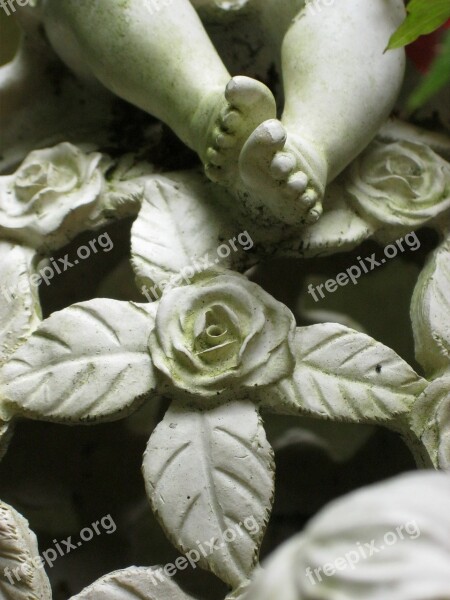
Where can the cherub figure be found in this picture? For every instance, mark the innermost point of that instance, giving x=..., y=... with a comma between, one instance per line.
x=339, y=85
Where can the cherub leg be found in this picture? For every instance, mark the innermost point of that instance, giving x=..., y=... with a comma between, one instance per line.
x=340, y=87
x=157, y=55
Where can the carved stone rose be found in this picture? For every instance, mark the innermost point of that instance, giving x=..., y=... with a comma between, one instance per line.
x=402, y=183
x=221, y=332
x=48, y=186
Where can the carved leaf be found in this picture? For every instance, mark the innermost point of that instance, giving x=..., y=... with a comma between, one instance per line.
x=20, y=312
x=430, y=421
x=430, y=312
x=177, y=225
x=19, y=550
x=209, y=477
x=346, y=375
x=135, y=583
x=86, y=362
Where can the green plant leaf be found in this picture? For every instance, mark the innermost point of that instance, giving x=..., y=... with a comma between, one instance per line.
x=437, y=77
x=423, y=17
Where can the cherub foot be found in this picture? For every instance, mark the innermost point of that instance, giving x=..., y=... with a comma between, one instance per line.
x=286, y=173
x=247, y=104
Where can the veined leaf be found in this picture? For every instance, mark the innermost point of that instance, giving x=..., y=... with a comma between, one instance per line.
x=209, y=477
x=20, y=311
x=86, y=362
x=430, y=421
x=135, y=583
x=342, y=374
x=430, y=312
x=19, y=553
x=178, y=231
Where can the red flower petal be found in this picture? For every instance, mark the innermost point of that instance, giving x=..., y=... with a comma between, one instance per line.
x=423, y=51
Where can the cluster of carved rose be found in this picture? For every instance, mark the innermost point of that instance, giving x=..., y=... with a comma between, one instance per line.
x=223, y=350
x=218, y=345
x=60, y=191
